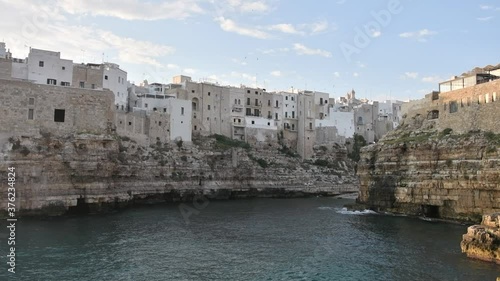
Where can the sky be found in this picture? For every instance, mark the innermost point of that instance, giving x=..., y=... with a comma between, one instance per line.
x=387, y=49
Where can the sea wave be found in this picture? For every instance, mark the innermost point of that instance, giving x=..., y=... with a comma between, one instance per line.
x=344, y=211
x=325, y=208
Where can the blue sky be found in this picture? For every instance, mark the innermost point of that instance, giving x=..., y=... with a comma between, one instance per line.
x=382, y=49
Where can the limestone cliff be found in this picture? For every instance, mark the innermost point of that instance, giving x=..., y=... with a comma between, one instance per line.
x=93, y=173
x=418, y=170
x=483, y=241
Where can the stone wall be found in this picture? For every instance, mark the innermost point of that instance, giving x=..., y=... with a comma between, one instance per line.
x=463, y=110
x=84, y=111
x=5, y=69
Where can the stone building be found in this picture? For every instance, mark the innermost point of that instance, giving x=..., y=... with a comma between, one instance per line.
x=306, y=137
x=463, y=110
x=103, y=76
x=30, y=109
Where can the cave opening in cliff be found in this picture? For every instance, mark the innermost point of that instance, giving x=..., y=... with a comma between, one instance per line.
x=430, y=211
x=81, y=208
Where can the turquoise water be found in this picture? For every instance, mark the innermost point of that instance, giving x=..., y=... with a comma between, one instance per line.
x=264, y=239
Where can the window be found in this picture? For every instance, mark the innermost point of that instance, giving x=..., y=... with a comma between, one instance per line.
x=65, y=84
x=31, y=101
x=208, y=93
x=182, y=110
x=453, y=106
x=248, y=101
x=269, y=103
x=276, y=116
x=192, y=91
x=195, y=127
x=292, y=98
x=321, y=101
x=208, y=107
x=256, y=92
x=293, y=127
x=277, y=104
x=30, y=113
x=145, y=105
x=286, y=97
x=249, y=112
x=40, y=63
x=239, y=101
x=51, y=82
x=105, y=77
x=248, y=91
x=64, y=68
x=130, y=123
x=286, y=114
x=164, y=110
x=93, y=86
x=59, y=115
x=293, y=114
x=82, y=84
x=310, y=126
x=326, y=101
x=256, y=102
x=256, y=112
x=268, y=123
x=235, y=101
x=253, y=122
x=159, y=123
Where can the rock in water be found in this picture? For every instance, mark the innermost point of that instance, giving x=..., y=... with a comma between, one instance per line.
x=483, y=241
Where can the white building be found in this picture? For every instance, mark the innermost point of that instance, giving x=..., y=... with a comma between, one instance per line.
x=343, y=121
x=46, y=67
x=115, y=80
x=177, y=111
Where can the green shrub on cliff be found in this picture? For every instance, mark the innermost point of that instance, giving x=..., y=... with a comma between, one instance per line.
x=225, y=142
x=359, y=142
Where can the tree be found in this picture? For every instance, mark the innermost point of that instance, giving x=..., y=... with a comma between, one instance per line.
x=359, y=142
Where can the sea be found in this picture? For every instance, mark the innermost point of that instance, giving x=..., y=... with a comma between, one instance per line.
x=257, y=239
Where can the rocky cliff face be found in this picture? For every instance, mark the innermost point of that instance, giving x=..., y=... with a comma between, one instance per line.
x=417, y=170
x=93, y=173
x=483, y=241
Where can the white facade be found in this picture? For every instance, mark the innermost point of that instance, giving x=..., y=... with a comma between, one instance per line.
x=180, y=119
x=178, y=110
x=47, y=67
x=260, y=123
x=19, y=69
x=289, y=105
x=115, y=80
x=343, y=121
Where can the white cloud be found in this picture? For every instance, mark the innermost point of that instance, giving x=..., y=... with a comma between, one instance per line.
x=318, y=27
x=484, y=18
x=355, y=74
x=276, y=73
x=247, y=6
x=375, y=33
x=244, y=76
x=420, y=35
x=410, y=75
x=432, y=79
x=361, y=65
x=172, y=66
x=303, y=50
x=240, y=62
x=133, y=9
x=336, y=74
x=190, y=71
x=285, y=28
x=230, y=26
x=486, y=7
x=275, y=51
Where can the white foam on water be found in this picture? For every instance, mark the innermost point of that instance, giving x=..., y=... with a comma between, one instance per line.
x=325, y=208
x=344, y=211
